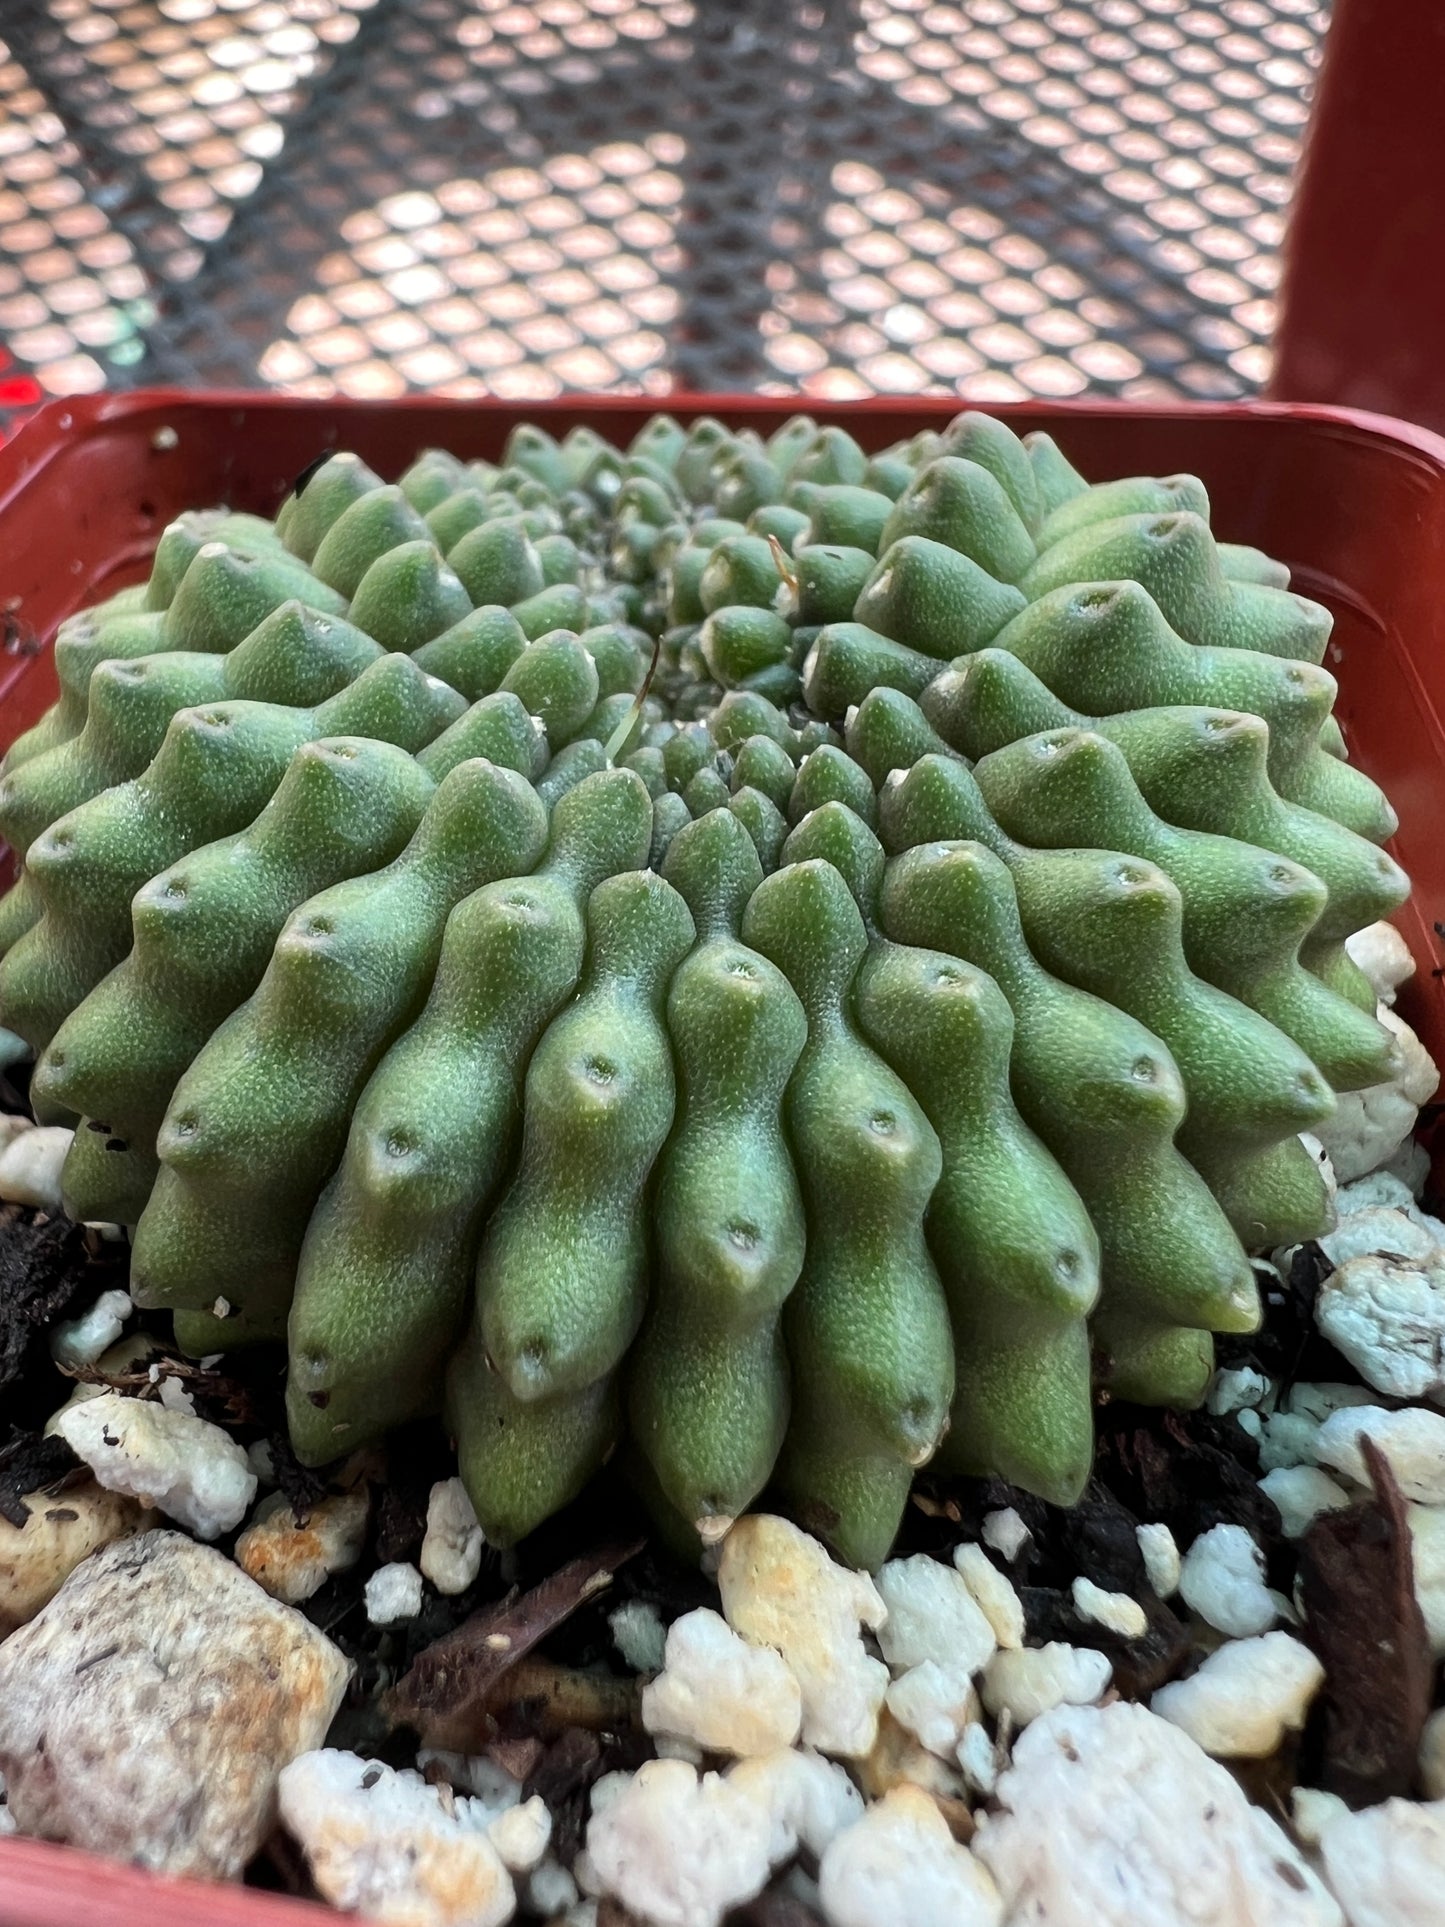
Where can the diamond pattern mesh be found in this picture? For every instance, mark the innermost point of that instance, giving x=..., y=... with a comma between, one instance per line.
x=996, y=198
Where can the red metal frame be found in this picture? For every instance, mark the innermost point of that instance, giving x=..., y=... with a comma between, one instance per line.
x=1355, y=504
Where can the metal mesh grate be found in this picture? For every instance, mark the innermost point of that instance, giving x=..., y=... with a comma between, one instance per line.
x=993, y=197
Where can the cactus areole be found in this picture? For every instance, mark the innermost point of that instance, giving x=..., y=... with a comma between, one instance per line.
x=784, y=964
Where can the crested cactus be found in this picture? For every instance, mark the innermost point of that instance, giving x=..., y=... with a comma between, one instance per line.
x=788, y=963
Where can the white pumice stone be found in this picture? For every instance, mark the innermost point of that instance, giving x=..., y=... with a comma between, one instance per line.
x=1380, y=1190
x=1300, y=1493
x=1369, y=1126
x=639, y=1635
x=451, y=1552
x=1245, y=1697
x=1378, y=1231
x=679, y=1850
x=1031, y=1682
x=994, y=1594
x=978, y=1760
x=1233, y=1388
x=1310, y=1811
x=1114, y=1610
x=721, y=1693
x=672, y=1746
x=1384, y=956
x=935, y=1703
x=1222, y=1579
x=550, y=1890
x=808, y=1799
x=78, y=1342
x=900, y=1863
x=189, y=1469
x=385, y=1844
x=1386, y=1864
x=1387, y=1316
x=779, y=1588
x=1161, y=1558
x=1412, y=1442
x=393, y=1593
x=30, y=1166
x=293, y=1560
x=1005, y=1532
x=932, y=1614
x=521, y=1834
x=1111, y=1817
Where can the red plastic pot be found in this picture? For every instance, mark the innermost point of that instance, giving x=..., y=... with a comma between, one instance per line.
x=1354, y=503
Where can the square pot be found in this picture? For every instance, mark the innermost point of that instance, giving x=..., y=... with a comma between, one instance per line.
x=1354, y=503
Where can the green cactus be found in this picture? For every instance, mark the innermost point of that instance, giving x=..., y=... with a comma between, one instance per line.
x=784, y=961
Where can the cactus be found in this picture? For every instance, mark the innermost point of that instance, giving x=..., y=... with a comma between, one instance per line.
x=794, y=961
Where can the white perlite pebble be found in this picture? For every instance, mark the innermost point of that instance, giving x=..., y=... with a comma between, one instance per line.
x=721, y=1693
x=779, y=1588
x=1387, y=1864
x=1379, y=1189
x=1231, y=1390
x=1300, y=1493
x=451, y=1552
x=978, y=1760
x=11, y=1126
x=1412, y=1442
x=639, y=1635
x=147, y=1711
x=1427, y=1551
x=1005, y=1532
x=1032, y=1682
x=551, y=1890
x=901, y=1863
x=30, y=1167
x=1161, y=1559
x=1369, y=1126
x=1377, y=1230
x=935, y=1703
x=807, y=1798
x=1245, y=1697
x=993, y=1592
x=678, y=1850
x=521, y=1834
x=77, y=1342
x=190, y=1469
x=63, y=1528
x=1432, y=1756
x=393, y=1593
x=1310, y=1811
x=382, y=1843
x=1222, y=1579
x=1111, y=1817
x=294, y=1561
x=932, y=1614
x=1384, y=956
x=1114, y=1610
x=1387, y=1316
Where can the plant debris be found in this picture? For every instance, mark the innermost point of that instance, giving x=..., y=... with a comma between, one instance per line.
x=1357, y=1583
x=29, y=1463
x=447, y=1694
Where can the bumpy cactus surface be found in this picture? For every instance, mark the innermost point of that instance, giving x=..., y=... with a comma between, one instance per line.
x=790, y=963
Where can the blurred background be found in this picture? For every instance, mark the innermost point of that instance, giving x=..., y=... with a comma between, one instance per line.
x=990, y=198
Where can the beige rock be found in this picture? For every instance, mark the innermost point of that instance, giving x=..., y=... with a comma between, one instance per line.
x=63, y=1528
x=292, y=1561
x=780, y=1588
x=148, y=1710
